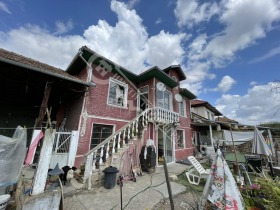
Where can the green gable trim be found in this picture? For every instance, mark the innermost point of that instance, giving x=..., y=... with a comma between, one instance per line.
x=188, y=94
x=160, y=75
x=78, y=63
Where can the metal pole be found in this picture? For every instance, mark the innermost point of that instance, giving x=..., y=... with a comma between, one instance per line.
x=168, y=184
x=120, y=182
x=235, y=153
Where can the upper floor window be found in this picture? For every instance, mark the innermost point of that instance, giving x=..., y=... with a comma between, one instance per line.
x=210, y=115
x=164, y=99
x=182, y=108
x=117, y=93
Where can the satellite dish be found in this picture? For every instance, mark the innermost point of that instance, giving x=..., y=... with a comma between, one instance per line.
x=160, y=86
x=178, y=97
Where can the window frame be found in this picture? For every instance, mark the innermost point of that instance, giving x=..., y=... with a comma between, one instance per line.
x=92, y=132
x=184, y=108
x=177, y=142
x=170, y=99
x=119, y=83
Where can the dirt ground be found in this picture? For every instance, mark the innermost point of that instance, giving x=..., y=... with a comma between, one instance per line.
x=187, y=200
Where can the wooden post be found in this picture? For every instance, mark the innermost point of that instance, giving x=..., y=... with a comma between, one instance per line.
x=44, y=162
x=44, y=105
x=235, y=153
x=211, y=135
x=168, y=184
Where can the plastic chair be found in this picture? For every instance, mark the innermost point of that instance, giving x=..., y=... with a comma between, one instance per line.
x=194, y=176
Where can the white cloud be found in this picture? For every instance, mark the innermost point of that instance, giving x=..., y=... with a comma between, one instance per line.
x=226, y=84
x=158, y=21
x=4, y=7
x=126, y=43
x=131, y=4
x=189, y=12
x=273, y=52
x=259, y=105
x=62, y=27
x=253, y=83
x=243, y=26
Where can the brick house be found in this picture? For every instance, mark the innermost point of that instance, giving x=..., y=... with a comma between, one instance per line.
x=124, y=106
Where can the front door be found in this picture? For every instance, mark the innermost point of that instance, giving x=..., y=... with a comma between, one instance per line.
x=165, y=144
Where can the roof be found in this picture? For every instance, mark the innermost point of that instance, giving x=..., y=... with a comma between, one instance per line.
x=225, y=119
x=28, y=63
x=188, y=94
x=199, y=103
x=178, y=69
x=88, y=55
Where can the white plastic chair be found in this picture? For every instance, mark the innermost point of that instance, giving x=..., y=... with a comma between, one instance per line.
x=194, y=176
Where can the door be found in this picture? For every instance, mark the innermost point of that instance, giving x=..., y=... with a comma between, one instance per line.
x=61, y=149
x=143, y=100
x=165, y=144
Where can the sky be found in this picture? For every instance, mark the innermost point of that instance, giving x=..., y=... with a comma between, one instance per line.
x=228, y=49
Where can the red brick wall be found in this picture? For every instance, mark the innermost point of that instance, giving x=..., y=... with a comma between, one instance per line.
x=98, y=111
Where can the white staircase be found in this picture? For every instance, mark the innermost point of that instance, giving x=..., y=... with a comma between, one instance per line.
x=116, y=142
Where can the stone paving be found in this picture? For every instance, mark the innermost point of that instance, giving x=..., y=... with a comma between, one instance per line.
x=147, y=191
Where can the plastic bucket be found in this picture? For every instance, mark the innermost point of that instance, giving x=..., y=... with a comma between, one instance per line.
x=4, y=199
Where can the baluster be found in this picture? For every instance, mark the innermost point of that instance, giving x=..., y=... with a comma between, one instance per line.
x=114, y=145
x=107, y=150
x=101, y=155
x=94, y=161
x=136, y=127
x=124, y=134
x=118, y=142
x=128, y=133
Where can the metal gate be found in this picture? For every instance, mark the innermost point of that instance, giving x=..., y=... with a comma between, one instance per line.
x=61, y=147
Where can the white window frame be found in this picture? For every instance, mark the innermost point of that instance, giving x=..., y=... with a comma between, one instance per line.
x=184, y=143
x=170, y=100
x=209, y=115
x=112, y=80
x=184, y=108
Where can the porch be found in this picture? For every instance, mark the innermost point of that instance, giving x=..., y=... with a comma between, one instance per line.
x=111, y=149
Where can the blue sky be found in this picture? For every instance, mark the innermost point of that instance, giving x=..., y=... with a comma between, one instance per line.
x=228, y=49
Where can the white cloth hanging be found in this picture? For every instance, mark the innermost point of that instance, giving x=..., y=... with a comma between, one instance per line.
x=149, y=142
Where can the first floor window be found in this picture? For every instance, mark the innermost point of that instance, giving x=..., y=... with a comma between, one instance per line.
x=117, y=93
x=180, y=139
x=100, y=133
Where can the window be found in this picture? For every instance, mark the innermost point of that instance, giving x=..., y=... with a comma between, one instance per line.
x=117, y=93
x=163, y=99
x=180, y=139
x=100, y=133
x=182, y=108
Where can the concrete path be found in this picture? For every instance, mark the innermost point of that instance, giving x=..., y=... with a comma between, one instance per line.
x=147, y=191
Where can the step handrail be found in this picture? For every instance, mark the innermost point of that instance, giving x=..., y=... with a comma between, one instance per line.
x=118, y=132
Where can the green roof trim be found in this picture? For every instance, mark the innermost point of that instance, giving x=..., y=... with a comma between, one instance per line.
x=159, y=74
x=90, y=56
x=188, y=94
